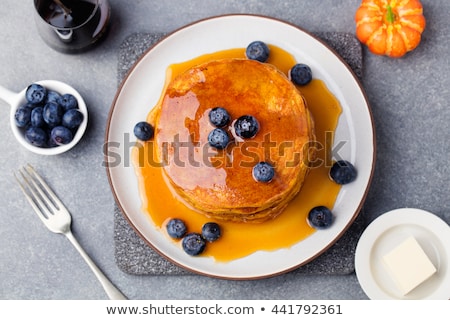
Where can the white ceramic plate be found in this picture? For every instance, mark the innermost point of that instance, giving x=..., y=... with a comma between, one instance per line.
x=142, y=88
x=388, y=231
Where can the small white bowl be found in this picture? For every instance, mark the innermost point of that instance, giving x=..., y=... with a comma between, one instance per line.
x=15, y=100
x=384, y=234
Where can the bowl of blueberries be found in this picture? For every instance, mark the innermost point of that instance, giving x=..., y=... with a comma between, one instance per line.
x=48, y=117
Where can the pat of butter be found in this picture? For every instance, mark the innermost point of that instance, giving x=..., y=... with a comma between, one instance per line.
x=408, y=265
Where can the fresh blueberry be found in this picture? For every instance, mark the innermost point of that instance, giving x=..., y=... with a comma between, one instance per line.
x=193, y=244
x=300, y=74
x=68, y=101
x=23, y=116
x=263, y=172
x=320, y=217
x=72, y=118
x=53, y=96
x=50, y=142
x=143, y=131
x=343, y=172
x=219, y=117
x=53, y=114
x=176, y=228
x=35, y=93
x=36, y=136
x=218, y=138
x=257, y=50
x=61, y=135
x=211, y=231
x=37, y=117
x=246, y=127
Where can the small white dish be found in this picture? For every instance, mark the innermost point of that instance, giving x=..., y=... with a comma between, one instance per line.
x=15, y=100
x=388, y=231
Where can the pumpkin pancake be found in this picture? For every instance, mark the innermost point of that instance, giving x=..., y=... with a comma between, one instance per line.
x=219, y=182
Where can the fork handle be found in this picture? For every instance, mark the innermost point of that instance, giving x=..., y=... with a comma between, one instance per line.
x=112, y=292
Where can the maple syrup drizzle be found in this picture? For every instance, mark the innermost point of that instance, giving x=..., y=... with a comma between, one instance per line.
x=241, y=239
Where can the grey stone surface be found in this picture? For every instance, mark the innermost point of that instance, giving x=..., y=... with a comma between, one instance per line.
x=409, y=100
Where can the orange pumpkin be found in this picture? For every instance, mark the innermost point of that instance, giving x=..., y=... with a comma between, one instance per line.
x=390, y=27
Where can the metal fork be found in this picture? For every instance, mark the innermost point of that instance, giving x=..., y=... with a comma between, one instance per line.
x=57, y=219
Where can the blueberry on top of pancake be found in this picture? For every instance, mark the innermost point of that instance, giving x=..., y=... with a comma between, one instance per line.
x=278, y=129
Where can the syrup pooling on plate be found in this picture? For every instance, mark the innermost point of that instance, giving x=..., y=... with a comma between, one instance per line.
x=241, y=239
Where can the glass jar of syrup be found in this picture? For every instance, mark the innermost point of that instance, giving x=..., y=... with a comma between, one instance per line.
x=72, y=26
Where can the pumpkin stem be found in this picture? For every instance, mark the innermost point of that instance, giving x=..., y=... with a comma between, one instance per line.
x=390, y=15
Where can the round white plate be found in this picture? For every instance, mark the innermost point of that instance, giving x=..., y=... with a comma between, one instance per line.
x=388, y=231
x=141, y=90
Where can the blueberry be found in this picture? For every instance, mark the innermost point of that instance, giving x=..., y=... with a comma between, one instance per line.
x=37, y=117
x=52, y=114
x=53, y=96
x=219, y=117
x=193, y=244
x=72, y=118
x=263, y=172
x=218, y=138
x=320, y=217
x=36, y=136
x=50, y=142
x=61, y=135
x=211, y=231
x=257, y=50
x=143, y=131
x=23, y=116
x=300, y=74
x=176, y=228
x=35, y=93
x=68, y=101
x=246, y=127
x=343, y=172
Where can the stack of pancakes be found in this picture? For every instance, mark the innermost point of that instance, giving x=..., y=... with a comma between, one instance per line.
x=219, y=183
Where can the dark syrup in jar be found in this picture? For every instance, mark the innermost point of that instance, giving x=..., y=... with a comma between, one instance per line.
x=76, y=28
x=80, y=11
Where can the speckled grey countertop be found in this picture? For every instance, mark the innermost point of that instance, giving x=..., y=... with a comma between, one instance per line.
x=409, y=100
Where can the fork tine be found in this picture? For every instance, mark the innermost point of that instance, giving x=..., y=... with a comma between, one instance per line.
x=50, y=195
x=41, y=197
x=34, y=201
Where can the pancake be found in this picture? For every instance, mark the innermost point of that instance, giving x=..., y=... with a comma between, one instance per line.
x=219, y=182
